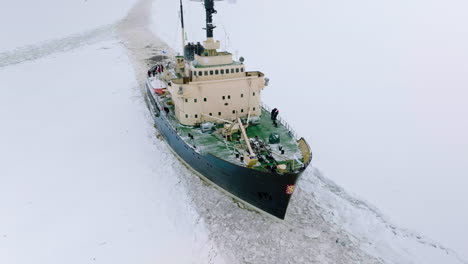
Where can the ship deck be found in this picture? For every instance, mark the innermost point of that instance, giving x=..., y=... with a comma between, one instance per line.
x=214, y=143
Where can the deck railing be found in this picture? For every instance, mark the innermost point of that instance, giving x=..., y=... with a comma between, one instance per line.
x=292, y=133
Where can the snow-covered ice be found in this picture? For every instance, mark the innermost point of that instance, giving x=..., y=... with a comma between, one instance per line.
x=25, y=22
x=83, y=179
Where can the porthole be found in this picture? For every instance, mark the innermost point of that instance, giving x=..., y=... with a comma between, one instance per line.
x=219, y=113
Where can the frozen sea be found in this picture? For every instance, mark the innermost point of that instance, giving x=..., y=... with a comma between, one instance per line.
x=78, y=181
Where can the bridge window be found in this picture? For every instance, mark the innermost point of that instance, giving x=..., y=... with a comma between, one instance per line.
x=232, y=70
x=194, y=100
x=194, y=73
x=242, y=95
x=224, y=97
x=242, y=110
x=219, y=113
x=229, y=97
x=211, y=72
x=206, y=73
x=254, y=108
x=237, y=69
x=222, y=71
x=216, y=72
x=186, y=116
x=200, y=73
x=242, y=69
x=186, y=100
x=253, y=94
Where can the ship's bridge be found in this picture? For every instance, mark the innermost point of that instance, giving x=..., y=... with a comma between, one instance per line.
x=213, y=87
x=227, y=76
x=216, y=72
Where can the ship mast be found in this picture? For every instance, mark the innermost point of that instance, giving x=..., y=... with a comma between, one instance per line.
x=182, y=23
x=209, y=7
x=210, y=44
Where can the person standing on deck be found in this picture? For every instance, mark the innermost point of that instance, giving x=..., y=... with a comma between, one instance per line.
x=274, y=114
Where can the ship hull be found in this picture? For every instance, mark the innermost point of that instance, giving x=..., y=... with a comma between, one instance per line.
x=267, y=191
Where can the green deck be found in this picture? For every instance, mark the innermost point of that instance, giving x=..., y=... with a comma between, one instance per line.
x=214, y=143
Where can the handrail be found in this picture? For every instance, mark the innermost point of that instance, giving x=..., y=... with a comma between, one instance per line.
x=292, y=133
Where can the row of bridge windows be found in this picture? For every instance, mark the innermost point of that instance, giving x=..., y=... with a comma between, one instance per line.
x=223, y=97
x=219, y=113
x=217, y=72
